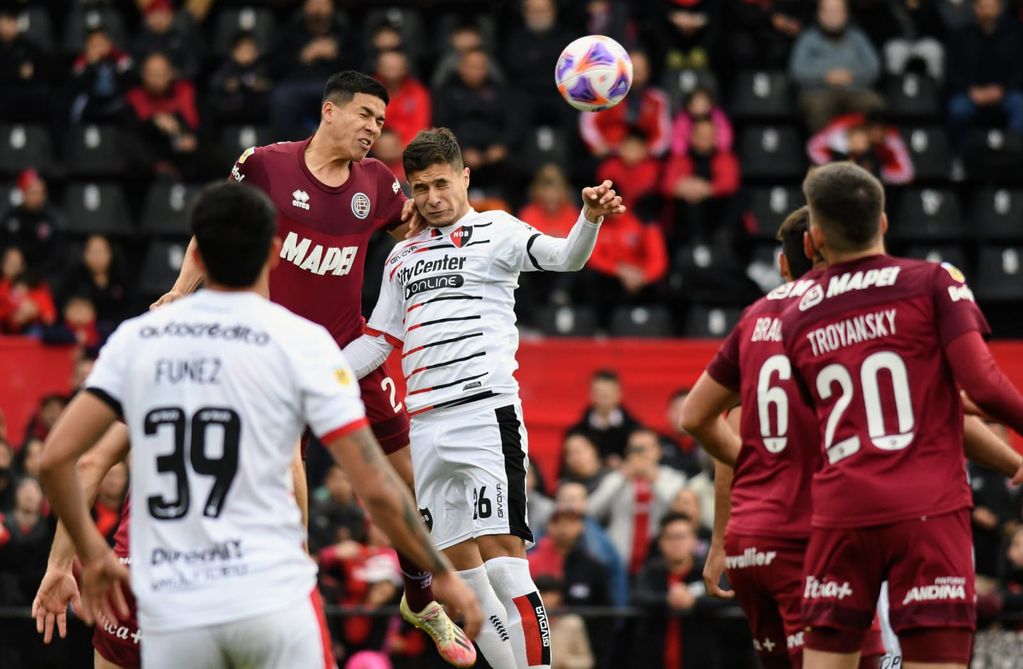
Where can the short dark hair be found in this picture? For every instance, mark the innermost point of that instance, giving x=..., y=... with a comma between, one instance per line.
x=605, y=375
x=790, y=234
x=846, y=201
x=342, y=87
x=436, y=146
x=234, y=226
x=674, y=517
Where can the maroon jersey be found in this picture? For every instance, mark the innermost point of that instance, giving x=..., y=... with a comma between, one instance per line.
x=121, y=536
x=324, y=231
x=780, y=441
x=867, y=341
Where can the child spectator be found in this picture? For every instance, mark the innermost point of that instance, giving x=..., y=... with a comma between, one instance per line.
x=99, y=79
x=99, y=276
x=239, y=90
x=645, y=110
x=700, y=105
x=26, y=305
x=78, y=327
x=868, y=141
x=35, y=225
x=636, y=176
x=408, y=112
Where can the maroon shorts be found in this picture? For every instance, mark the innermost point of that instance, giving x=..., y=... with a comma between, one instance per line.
x=767, y=576
x=928, y=562
x=119, y=642
x=385, y=410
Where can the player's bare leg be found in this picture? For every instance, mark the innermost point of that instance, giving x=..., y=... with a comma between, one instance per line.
x=418, y=604
x=819, y=659
x=100, y=662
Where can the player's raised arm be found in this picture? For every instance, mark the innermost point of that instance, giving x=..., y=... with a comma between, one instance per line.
x=985, y=448
x=382, y=333
x=703, y=417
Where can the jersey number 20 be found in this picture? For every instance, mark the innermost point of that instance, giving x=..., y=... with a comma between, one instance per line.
x=190, y=436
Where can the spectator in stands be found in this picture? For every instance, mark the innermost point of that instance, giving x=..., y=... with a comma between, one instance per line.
x=678, y=448
x=530, y=53
x=50, y=408
x=835, y=66
x=683, y=33
x=7, y=476
x=335, y=515
x=633, y=499
x=99, y=79
x=644, y=110
x=918, y=44
x=170, y=32
x=106, y=510
x=539, y=506
x=636, y=176
x=868, y=141
x=580, y=461
x=994, y=516
x=687, y=502
x=26, y=462
x=388, y=150
x=311, y=47
x=24, y=72
x=568, y=630
x=100, y=277
x=1011, y=576
x=606, y=422
x=239, y=90
x=627, y=266
x=483, y=115
x=25, y=535
x=985, y=72
x=701, y=183
x=26, y=304
x=465, y=37
x=77, y=327
x=408, y=112
x=166, y=120
x=80, y=371
x=761, y=32
x=700, y=105
x=671, y=583
x=606, y=17
x=575, y=497
x=35, y=225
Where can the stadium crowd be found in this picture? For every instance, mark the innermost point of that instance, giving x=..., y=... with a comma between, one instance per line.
x=112, y=114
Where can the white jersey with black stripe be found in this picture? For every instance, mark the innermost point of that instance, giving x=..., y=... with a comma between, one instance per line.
x=447, y=300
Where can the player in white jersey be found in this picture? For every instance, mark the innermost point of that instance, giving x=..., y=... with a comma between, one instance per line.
x=215, y=390
x=446, y=300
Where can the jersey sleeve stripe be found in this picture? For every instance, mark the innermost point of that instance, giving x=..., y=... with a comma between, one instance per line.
x=443, y=320
x=444, y=298
x=107, y=399
x=391, y=339
x=529, y=251
x=439, y=343
x=344, y=430
x=444, y=364
x=448, y=385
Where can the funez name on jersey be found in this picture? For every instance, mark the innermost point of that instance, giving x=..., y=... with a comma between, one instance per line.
x=199, y=370
x=851, y=331
x=336, y=260
x=445, y=264
x=242, y=333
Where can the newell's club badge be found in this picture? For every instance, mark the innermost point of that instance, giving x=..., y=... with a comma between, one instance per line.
x=461, y=236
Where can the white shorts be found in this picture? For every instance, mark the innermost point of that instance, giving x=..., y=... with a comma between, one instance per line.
x=469, y=465
x=292, y=637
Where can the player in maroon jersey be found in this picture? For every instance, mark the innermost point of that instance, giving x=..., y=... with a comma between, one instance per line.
x=330, y=199
x=878, y=345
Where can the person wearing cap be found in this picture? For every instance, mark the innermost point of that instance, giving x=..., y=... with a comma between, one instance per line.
x=170, y=32
x=34, y=224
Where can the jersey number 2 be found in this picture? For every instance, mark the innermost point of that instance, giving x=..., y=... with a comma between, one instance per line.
x=190, y=436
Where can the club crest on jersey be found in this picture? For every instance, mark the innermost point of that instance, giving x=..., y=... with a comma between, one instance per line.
x=360, y=206
x=301, y=199
x=461, y=236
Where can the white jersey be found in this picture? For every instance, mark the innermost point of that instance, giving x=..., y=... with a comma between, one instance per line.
x=447, y=299
x=216, y=390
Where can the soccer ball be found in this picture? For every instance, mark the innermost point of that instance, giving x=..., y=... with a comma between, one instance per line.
x=593, y=73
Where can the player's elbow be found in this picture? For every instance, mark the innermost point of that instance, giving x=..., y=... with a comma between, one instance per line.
x=693, y=420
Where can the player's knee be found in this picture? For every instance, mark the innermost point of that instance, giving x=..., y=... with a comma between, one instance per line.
x=936, y=646
x=833, y=640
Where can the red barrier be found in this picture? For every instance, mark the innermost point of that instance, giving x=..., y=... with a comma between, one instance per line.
x=553, y=373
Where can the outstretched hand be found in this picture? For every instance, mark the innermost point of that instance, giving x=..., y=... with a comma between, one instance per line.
x=56, y=591
x=713, y=568
x=102, y=596
x=600, y=201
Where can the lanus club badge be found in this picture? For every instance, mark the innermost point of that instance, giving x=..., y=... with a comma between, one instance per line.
x=461, y=236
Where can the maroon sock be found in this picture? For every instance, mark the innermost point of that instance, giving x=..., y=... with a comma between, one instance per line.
x=418, y=590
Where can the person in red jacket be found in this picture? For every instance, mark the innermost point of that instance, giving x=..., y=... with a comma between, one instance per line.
x=409, y=110
x=636, y=175
x=627, y=266
x=26, y=305
x=645, y=108
x=701, y=182
x=868, y=141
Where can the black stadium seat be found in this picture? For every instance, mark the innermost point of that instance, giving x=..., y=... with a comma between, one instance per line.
x=35, y=24
x=544, y=145
x=236, y=138
x=994, y=155
x=772, y=152
x=259, y=21
x=160, y=267
x=97, y=208
x=567, y=321
x=768, y=207
x=165, y=211
x=649, y=321
x=999, y=275
x=761, y=94
x=997, y=215
x=928, y=147
x=717, y=322
x=927, y=214
x=941, y=253
x=94, y=151
x=24, y=146
x=913, y=96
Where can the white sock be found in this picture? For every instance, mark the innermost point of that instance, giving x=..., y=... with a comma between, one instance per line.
x=527, y=618
x=493, y=639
